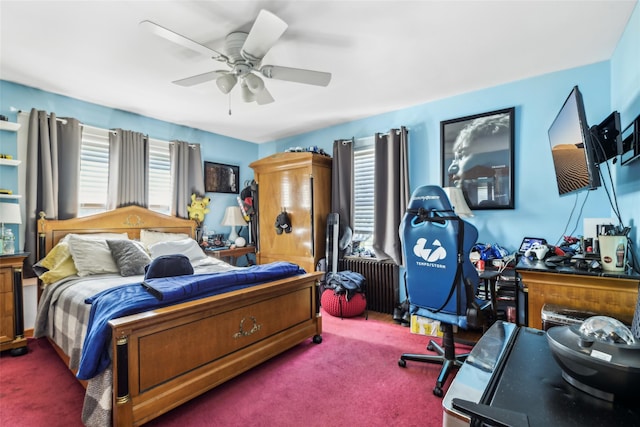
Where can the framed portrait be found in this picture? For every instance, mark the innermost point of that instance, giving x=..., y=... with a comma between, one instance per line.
x=477, y=157
x=221, y=178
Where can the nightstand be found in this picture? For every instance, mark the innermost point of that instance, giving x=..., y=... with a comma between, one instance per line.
x=11, y=319
x=231, y=255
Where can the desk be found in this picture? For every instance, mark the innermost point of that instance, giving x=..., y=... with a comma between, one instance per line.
x=512, y=368
x=610, y=294
x=231, y=255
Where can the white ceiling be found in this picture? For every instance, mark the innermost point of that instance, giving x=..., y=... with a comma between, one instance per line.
x=384, y=55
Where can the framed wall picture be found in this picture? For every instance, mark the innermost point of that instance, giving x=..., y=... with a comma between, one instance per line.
x=477, y=157
x=221, y=178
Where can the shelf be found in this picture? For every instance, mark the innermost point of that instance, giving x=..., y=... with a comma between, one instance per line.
x=10, y=196
x=10, y=126
x=8, y=162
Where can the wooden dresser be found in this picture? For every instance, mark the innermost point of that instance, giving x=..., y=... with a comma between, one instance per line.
x=11, y=317
x=299, y=183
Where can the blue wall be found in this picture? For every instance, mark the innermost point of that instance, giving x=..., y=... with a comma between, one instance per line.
x=539, y=211
x=216, y=148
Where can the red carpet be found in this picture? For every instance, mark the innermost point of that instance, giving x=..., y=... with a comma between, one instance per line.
x=351, y=379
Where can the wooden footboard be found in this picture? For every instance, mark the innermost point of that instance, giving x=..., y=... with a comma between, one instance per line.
x=165, y=357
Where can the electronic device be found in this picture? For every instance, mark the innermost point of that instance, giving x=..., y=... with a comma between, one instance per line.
x=607, y=138
x=572, y=148
x=600, y=356
x=537, y=249
x=527, y=242
x=631, y=142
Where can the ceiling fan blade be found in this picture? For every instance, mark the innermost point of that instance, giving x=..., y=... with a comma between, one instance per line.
x=264, y=97
x=200, y=78
x=181, y=40
x=298, y=75
x=265, y=32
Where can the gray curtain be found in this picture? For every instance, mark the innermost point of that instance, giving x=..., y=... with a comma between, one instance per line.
x=391, y=192
x=342, y=180
x=186, y=175
x=128, y=169
x=53, y=168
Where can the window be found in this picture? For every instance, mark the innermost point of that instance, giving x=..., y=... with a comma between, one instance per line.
x=94, y=173
x=364, y=157
x=159, y=176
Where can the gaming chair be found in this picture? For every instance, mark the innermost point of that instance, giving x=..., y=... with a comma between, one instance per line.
x=440, y=279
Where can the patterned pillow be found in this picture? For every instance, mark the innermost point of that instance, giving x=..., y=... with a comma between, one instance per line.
x=130, y=256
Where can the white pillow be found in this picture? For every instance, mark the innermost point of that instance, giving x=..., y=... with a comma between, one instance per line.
x=150, y=237
x=187, y=247
x=91, y=255
x=98, y=236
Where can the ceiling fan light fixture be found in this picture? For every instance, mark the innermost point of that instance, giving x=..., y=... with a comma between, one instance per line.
x=226, y=82
x=254, y=83
x=247, y=94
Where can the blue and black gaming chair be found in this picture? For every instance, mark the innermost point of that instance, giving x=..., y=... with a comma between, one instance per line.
x=440, y=279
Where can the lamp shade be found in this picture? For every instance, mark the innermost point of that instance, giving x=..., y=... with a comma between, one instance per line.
x=458, y=202
x=10, y=213
x=226, y=82
x=233, y=217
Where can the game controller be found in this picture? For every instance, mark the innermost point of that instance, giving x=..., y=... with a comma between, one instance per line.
x=538, y=250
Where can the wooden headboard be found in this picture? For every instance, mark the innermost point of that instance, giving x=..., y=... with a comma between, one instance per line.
x=130, y=220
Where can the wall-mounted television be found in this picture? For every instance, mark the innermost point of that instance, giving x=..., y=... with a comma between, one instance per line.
x=572, y=149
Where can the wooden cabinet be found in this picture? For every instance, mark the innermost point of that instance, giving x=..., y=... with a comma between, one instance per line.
x=609, y=295
x=11, y=317
x=300, y=184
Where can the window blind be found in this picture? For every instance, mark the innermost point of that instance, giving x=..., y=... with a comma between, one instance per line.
x=363, y=189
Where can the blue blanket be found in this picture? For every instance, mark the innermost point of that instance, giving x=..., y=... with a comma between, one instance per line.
x=155, y=293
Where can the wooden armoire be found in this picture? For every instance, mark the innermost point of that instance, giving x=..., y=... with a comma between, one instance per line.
x=300, y=184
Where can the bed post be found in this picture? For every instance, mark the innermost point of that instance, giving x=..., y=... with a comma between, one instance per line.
x=122, y=405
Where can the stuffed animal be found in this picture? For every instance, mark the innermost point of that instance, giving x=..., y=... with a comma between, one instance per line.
x=283, y=223
x=198, y=208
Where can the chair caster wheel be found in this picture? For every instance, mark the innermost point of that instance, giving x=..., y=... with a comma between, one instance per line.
x=437, y=391
x=402, y=363
x=317, y=339
x=430, y=347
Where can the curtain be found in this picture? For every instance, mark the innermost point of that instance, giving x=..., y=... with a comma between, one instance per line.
x=186, y=174
x=342, y=180
x=53, y=165
x=128, y=169
x=391, y=192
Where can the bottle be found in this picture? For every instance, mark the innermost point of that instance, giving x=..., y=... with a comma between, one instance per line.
x=620, y=255
x=8, y=242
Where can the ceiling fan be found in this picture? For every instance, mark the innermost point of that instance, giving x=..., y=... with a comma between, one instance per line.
x=243, y=55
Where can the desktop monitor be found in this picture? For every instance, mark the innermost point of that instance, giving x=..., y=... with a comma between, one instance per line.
x=576, y=167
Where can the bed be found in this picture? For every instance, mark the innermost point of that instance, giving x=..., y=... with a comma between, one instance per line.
x=163, y=357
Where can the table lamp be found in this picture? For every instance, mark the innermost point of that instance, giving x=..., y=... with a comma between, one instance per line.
x=9, y=214
x=458, y=202
x=233, y=217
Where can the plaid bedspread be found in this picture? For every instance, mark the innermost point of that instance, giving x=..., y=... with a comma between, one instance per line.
x=63, y=316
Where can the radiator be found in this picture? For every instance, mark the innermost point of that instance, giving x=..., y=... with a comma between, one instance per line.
x=382, y=282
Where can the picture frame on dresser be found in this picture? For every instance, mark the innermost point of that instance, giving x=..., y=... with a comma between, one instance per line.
x=477, y=156
x=221, y=178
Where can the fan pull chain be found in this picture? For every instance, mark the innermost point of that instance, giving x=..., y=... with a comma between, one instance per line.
x=229, y=103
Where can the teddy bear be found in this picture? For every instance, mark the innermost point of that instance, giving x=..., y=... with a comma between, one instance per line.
x=198, y=208
x=283, y=223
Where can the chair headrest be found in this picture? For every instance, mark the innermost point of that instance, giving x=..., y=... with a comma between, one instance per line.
x=430, y=198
